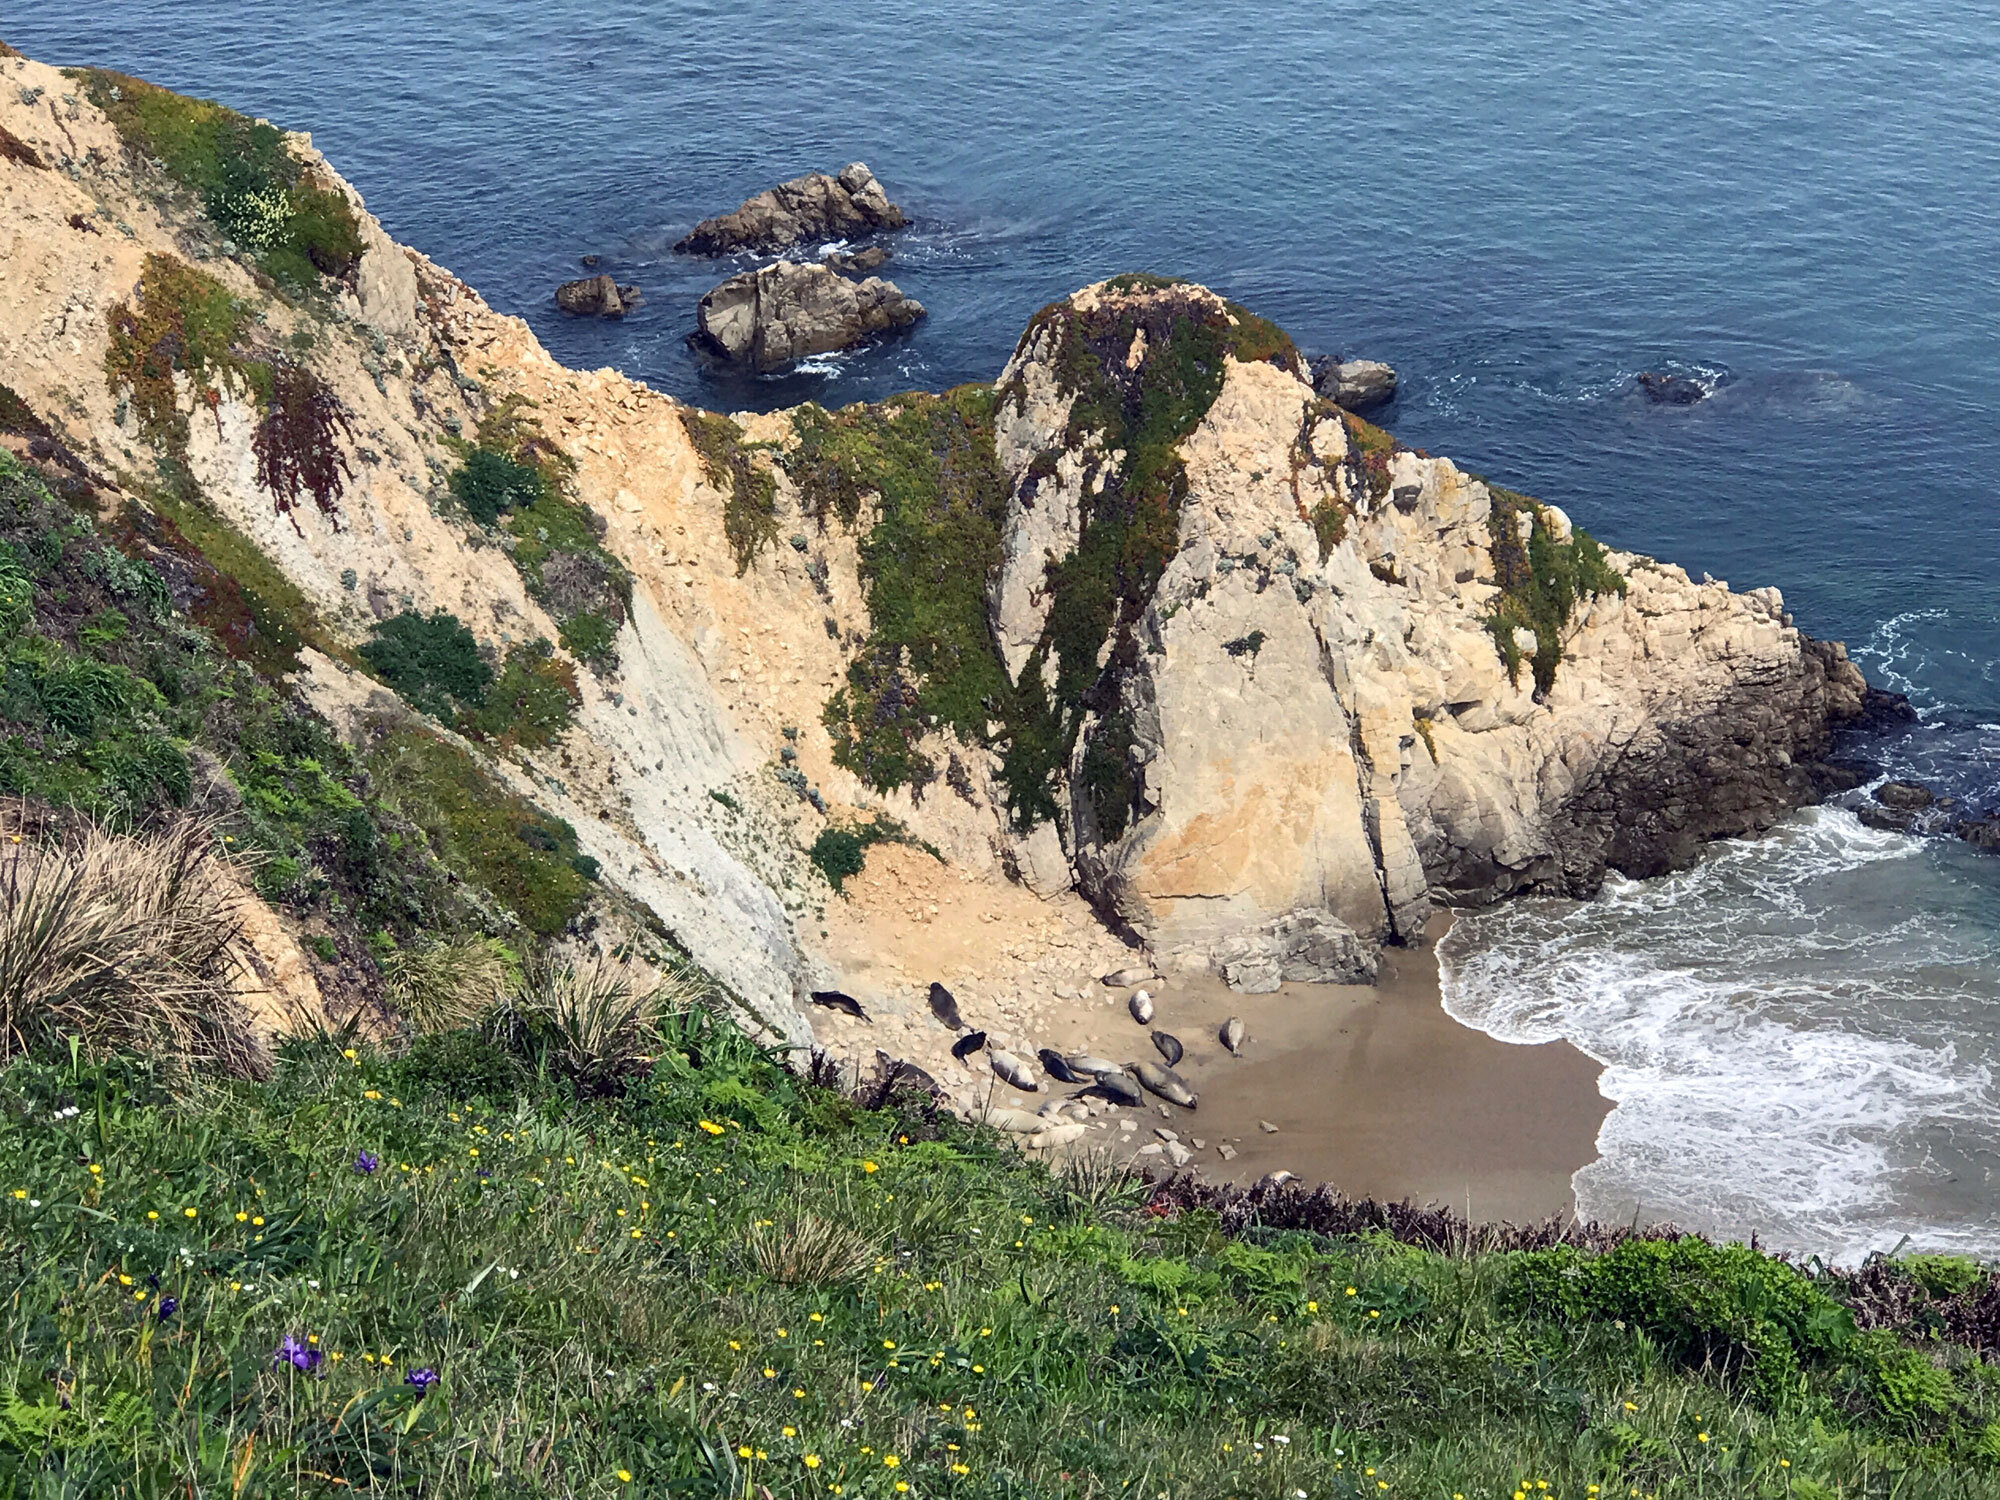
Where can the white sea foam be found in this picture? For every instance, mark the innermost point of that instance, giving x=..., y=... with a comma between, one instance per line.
x=1799, y=1042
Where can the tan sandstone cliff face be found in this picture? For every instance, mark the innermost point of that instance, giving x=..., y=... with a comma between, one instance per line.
x=1324, y=740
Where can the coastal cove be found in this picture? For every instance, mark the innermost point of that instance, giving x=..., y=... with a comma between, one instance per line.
x=1810, y=1019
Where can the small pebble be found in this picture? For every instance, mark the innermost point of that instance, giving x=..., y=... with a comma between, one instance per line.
x=1267, y=1127
x=1226, y=1151
x=1165, y=1134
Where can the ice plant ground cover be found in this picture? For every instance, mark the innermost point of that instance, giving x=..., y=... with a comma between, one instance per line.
x=720, y=1276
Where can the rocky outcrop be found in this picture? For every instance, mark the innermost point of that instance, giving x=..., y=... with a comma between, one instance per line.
x=813, y=207
x=779, y=314
x=1357, y=384
x=596, y=297
x=1314, y=711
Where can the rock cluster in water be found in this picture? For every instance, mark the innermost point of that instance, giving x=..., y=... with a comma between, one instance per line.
x=782, y=313
x=813, y=207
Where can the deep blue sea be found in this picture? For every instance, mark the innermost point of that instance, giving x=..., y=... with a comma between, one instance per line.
x=1518, y=205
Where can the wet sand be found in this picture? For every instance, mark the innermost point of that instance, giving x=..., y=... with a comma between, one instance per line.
x=1380, y=1093
x=1374, y=1090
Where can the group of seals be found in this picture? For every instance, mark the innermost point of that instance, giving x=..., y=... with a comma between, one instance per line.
x=1126, y=1084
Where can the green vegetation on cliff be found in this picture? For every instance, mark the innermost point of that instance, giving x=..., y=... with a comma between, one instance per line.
x=299, y=225
x=930, y=554
x=930, y=660
x=1541, y=582
x=750, y=508
x=535, y=1257
x=515, y=481
x=115, y=703
x=183, y=322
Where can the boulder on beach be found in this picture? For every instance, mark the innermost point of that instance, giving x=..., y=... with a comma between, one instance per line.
x=596, y=297
x=1356, y=384
x=768, y=318
x=813, y=207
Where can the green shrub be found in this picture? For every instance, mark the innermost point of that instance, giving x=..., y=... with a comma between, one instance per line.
x=1725, y=1307
x=516, y=478
x=490, y=485
x=840, y=853
x=459, y=1065
x=1908, y=1388
x=432, y=660
x=532, y=702
x=1943, y=1275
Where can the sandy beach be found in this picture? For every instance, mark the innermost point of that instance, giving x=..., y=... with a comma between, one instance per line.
x=1373, y=1089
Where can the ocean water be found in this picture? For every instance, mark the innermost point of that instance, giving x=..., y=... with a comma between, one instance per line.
x=1520, y=206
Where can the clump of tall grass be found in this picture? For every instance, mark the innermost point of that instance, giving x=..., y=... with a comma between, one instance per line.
x=596, y=1023
x=441, y=986
x=802, y=1246
x=123, y=941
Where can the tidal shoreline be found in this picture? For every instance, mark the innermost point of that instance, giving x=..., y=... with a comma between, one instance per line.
x=1378, y=1092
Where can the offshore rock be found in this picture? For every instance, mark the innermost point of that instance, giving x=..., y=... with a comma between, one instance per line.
x=771, y=317
x=596, y=297
x=1357, y=384
x=813, y=207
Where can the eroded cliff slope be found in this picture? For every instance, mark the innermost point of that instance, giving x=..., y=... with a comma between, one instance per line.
x=1144, y=643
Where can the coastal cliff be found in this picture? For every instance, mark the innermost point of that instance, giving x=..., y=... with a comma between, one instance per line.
x=1145, y=642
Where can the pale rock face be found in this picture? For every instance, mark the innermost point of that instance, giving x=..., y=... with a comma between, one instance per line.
x=1330, y=740
x=1045, y=521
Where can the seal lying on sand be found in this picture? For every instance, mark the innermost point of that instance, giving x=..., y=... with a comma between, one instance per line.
x=1012, y=1070
x=1165, y=1082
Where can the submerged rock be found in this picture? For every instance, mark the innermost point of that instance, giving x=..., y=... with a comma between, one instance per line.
x=597, y=297
x=1357, y=384
x=1906, y=796
x=1981, y=833
x=853, y=262
x=1672, y=390
x=771, y=317
x=813, y=207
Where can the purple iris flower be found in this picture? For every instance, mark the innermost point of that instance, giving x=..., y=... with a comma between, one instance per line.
x=168, y=1307
x=423, y=1379
x=367, y=1162
x=299, y=1356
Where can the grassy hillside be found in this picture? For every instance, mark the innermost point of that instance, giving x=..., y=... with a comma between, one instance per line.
x=460, y=1271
